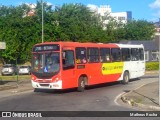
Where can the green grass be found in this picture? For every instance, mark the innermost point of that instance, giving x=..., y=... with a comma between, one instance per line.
x=152, y=66
x=13, y=78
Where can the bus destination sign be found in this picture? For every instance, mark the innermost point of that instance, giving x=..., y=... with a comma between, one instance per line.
x=40, y=48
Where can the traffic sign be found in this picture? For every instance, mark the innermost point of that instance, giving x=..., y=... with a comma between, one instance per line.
x=2, y=45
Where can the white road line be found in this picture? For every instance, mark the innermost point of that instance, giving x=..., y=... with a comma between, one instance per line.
x=117, y=97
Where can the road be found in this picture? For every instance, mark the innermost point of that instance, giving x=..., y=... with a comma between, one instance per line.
x=95, y=98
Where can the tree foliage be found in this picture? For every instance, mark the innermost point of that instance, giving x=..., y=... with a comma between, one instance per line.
x=70, y=22
x=139, y=30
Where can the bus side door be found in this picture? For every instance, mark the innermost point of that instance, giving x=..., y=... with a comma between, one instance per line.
x=68, y=67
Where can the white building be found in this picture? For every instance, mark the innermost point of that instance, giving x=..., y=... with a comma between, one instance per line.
x=106, y=10
x=122, y=16
x=103, y=9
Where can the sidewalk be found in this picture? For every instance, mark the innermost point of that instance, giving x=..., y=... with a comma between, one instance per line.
x=145, y=97
x=9, y=88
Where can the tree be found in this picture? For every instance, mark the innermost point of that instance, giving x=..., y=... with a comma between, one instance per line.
x=77, y=23
x=70, y=22
x=139, y=30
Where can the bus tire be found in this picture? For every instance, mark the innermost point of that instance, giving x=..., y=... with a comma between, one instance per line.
x=125, y=78
x=81, y=84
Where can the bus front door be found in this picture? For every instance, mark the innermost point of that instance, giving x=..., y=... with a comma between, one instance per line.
x=68, y=66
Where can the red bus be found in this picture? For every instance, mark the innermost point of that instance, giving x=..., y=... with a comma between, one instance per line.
x=63, y=65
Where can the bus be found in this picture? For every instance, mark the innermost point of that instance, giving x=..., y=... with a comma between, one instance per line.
x=63, y=65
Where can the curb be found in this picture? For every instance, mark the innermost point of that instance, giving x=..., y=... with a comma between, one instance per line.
x=8, y=87
x=19, y=87
x=131, y=102
x=151, y=72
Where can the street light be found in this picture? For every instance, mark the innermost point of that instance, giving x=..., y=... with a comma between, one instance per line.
x=42, y=23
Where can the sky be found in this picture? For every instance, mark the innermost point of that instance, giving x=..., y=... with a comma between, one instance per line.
x=141, y=9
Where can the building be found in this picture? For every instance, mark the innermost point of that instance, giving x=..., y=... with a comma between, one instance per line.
x=122, y=16
x=151, y=48
x=31, y=12
x=103, y=9
x=157, y=27
x=106, y=10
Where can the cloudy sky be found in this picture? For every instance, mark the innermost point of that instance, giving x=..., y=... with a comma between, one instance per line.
x=141, y=9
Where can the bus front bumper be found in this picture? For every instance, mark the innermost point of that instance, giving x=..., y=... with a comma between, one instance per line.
x=55, y=85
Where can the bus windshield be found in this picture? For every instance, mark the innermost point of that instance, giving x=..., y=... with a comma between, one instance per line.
x=48, y=63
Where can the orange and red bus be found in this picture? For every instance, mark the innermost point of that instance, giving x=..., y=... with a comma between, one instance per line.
x=63, y=65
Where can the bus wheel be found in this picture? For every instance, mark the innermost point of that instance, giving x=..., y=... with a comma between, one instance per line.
x=125, y=77
x=81, y=84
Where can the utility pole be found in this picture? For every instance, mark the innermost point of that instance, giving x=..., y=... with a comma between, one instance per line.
x=159, y=67
x=42, y=22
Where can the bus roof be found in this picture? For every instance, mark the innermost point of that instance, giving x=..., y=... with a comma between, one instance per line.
x=88, y=44
x=78, y=44
x=130, y=45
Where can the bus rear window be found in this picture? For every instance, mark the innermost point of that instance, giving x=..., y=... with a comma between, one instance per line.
x=141, y=54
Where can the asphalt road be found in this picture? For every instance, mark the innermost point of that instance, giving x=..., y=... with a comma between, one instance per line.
x=96, y=98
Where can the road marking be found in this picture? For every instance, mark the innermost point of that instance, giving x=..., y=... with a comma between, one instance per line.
x=117, y=97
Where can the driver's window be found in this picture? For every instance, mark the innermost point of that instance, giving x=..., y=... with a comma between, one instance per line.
x=68, y=59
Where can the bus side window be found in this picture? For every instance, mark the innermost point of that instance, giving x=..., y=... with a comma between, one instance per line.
x=116, y=54
x=104, y=55
x=68, y=59
x=81, y=55
x=125, y=54
x=134, y=54
x=93, y=55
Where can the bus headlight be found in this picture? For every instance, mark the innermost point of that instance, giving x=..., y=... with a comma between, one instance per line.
x=56, y=79
x=33, y=78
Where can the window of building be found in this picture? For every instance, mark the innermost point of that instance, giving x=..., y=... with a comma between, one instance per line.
x=155, y=56
x=93, y=55
x=121, y=18
x=141, y=54
x=125, y=54
x=134, y=54
x=81, y=55
x=116, y=54
x=104, y=55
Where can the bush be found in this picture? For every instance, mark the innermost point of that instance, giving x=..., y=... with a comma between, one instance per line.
x=152, y=66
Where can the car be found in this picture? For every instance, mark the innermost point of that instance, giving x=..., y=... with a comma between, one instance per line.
x=24, y=70
x=9, y=69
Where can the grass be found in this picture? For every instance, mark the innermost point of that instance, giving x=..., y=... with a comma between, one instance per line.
x=13, y=78
x=152, y=66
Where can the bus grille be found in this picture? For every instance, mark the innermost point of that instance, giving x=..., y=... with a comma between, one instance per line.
x=46, y=85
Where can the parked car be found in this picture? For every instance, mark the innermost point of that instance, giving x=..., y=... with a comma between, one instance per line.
x=24, y=70
x=9, y=69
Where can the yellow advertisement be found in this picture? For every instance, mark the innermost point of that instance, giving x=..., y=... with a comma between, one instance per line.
x=112, y=68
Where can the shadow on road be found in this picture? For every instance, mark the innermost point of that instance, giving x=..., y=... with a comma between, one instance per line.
x=148, y=76
x=91, y=87
x=75, y=89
